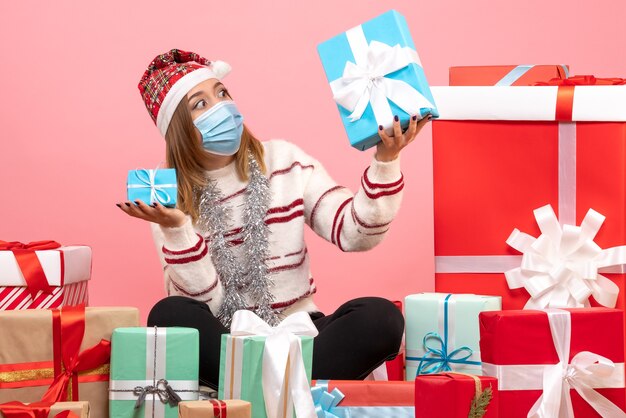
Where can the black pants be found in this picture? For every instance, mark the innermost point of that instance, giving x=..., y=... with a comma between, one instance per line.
x=353, y=341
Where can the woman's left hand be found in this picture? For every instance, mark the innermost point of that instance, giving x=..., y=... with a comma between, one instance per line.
x=390, y=146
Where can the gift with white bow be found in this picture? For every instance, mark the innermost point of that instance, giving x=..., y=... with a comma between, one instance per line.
x=153, y=185
x=442, y=332
x=561, y=267
x=556, y=363
x=374, y=74
x=152, y=370
x=499, y=152
x=269, y=367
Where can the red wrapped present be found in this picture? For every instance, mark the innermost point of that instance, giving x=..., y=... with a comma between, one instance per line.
x=505, y=75
x=556, y=363
x=500, y=152
x=54, y=355
x=359, y=398
x=456, y=395
x=43, y=274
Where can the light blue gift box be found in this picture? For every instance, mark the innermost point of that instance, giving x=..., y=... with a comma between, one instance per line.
x=358, y=61
x=442, y=332
x=151, y=186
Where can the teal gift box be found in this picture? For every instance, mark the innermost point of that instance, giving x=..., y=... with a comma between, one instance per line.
x=150, y=367
x=375, y=73
x=241, y=369
x=442, y=332
x=151, y=186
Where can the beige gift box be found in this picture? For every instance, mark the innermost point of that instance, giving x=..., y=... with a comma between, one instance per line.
x=235, y=408
x=27, y=360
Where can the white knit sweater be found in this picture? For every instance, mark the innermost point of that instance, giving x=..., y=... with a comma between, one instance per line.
x=302, y=192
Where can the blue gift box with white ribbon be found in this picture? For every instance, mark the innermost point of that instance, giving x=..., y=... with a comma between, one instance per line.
x=149, y=186
x=375, y=73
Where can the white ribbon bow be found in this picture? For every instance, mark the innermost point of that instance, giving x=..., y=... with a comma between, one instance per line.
x=558, y=379
x=147, y=178
x=365, y=81
x=560, y=268
x=285, y=384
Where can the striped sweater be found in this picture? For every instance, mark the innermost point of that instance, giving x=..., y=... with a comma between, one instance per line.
x=301, y=192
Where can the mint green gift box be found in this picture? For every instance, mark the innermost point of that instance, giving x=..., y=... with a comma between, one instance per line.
x=241, y=366
x=142, y=358
x=442, y=332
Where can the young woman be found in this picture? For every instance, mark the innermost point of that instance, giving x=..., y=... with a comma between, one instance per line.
x=236, y=239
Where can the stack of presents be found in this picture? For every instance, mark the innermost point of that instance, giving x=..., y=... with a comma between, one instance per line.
x=530, y=249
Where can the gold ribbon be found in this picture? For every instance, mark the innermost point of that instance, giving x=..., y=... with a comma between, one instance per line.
x=45, y=373
x=481, y=400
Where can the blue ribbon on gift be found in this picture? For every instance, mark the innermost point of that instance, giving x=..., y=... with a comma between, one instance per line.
x=437, y=360
x=517, y=72
x=157, y=191
x=325, y=403
x=326, y=406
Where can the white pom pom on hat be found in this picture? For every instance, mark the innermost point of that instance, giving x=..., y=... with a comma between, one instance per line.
x=220, y=68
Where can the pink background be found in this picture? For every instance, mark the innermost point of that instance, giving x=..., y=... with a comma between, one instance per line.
x=73, y=121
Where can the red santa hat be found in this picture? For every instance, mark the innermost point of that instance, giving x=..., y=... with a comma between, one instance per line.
x=169, y=78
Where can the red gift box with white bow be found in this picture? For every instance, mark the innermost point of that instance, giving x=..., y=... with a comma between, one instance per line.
x=556, y=362
x=501, y=152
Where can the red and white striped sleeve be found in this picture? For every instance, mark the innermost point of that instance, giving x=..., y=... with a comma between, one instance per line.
x=187, y=266
x=353, y=222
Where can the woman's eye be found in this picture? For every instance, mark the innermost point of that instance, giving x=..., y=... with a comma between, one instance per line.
x=222, y=93
x=200, y=105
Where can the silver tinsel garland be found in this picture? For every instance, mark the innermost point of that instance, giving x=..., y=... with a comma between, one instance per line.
x=246, y=282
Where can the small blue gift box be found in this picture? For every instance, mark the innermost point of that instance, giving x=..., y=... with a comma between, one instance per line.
x=152, y=186
x=375, y=73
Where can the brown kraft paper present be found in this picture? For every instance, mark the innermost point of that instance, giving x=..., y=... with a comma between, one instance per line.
x=80, y=409
x=28, y=361
x=232, y=408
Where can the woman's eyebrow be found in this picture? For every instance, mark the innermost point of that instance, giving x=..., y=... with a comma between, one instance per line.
x=195, y=94
x=201, y=91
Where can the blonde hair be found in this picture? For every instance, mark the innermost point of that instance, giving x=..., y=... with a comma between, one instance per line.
x=186, y=154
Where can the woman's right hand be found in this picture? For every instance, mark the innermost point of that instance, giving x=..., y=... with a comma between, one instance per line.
x=157, y=213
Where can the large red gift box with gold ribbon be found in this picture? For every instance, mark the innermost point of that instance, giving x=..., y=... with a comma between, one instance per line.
x=556, y=362
x=43, y=274
x=501, y=152
x=57, y=355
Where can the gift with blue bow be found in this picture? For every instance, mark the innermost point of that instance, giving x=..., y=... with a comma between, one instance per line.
x=150, y=186
x=442, y=332
x=375, y=74
x=505, y=75
x=363, y=399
